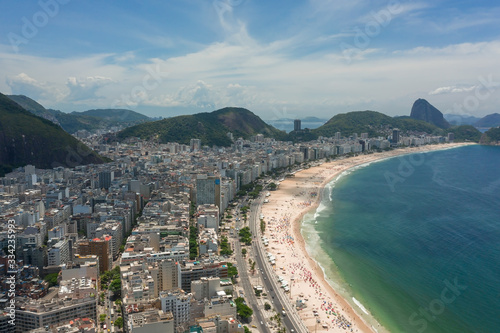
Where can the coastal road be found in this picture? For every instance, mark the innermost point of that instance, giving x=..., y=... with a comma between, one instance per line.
x=250, y=297
x=280, y=299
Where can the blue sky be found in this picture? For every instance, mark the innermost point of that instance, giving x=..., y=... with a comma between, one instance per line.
x=277, y=58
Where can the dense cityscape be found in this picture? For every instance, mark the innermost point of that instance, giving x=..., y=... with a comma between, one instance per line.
x=146, y=243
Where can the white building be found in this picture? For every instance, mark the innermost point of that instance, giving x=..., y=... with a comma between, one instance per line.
x=179, y=303
x=59, y=253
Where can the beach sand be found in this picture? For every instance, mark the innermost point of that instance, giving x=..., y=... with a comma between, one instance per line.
x=283, y=215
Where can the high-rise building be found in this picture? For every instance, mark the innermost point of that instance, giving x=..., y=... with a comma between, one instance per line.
x=100, y=248
x=337, y=136
x=305, y=150
x=59, y=253
x=178, y=302
x=395, y=136
x=191, y=272
x=34, y=255
x=451, y=137
x=167, y=275
x=297, y=125
x=208, y=190
x=105, y=179
x=195, y=144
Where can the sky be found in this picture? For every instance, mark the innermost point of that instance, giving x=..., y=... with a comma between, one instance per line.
x=279, y=59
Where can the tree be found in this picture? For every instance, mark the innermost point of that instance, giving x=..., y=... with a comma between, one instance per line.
x=272, y=186
x=225, y=248
x=243, y=252
x=51, y=279
x=116, y=287
x=118, y=322
x=267, y=306
x=242, y=309
x=102, y=317
x=245, y=235
x=193, y=242
x=232, y=271
x=102, y=296
x=247, y=330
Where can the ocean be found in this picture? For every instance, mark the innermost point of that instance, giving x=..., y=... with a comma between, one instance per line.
x=415, y=240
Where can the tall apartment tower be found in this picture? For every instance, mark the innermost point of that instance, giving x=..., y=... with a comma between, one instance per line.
x=208, y=190
x=105, y=179
x=297, y=125
x=195, y=144
x=395, y=136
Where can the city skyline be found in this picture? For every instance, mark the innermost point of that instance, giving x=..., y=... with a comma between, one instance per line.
x=279, y=60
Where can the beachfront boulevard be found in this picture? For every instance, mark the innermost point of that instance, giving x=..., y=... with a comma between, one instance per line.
x=258, y=316
x=269, y=279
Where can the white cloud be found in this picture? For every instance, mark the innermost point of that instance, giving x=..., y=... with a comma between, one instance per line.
x=262, y=77
x=23, y=84
x=451, y=90
x=199, y=94
x=475, y=49
x=86, y=89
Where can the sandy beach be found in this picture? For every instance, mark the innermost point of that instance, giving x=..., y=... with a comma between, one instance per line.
x=326, y=310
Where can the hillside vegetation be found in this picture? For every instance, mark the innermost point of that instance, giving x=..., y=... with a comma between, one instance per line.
x=210, y=127
x=372, y=122
x=29, y=139
x=90, y=120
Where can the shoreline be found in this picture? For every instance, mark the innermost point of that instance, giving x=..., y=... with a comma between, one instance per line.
x=284, y=215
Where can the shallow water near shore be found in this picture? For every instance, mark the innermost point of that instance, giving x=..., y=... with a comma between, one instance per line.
x=416, y=240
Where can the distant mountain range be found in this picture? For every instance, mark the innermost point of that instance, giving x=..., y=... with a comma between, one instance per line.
x=88, y=120
x=29, y=139
x=456, y=119
x=211, y=128
x=491, y=120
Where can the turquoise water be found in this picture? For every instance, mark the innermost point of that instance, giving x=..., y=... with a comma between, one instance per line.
x=417, y=239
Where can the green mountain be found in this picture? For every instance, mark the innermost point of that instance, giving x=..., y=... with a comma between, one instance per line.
x=423, y=110
x=210, y=127
x=464, y=133
x=29, y=139
x=491, y=136
x=34, y=107
x=114, y=115
x=372, y=122
x=87, y=120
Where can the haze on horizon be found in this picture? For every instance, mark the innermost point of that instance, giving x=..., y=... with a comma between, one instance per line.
x=279, y=59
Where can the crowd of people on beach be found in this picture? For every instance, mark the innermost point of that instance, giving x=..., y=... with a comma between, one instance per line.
x=280, y=231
